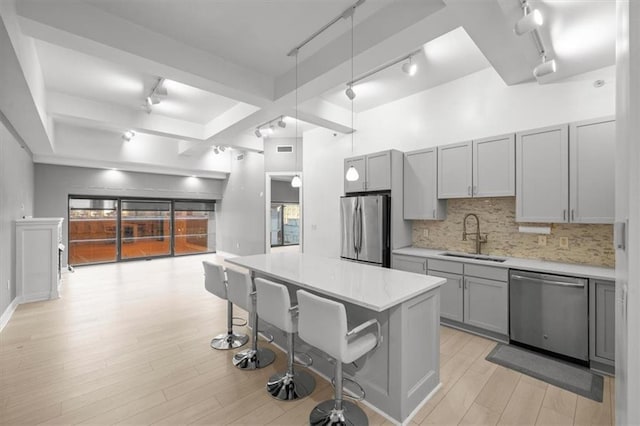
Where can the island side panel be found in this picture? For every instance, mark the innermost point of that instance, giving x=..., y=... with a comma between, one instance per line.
x=415, y=325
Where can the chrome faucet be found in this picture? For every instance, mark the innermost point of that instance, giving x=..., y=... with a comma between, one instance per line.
x=479, y=238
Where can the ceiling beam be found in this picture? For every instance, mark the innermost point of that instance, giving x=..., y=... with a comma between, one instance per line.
x=117, y=40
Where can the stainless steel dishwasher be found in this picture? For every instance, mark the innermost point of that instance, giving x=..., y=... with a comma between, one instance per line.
x=550, y=312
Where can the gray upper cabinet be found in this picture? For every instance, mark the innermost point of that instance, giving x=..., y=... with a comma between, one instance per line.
x=494, y=166
x=455, y=170
x=360, y=165
x=378, y=171
x=409, y=263
x=542, y=175
x=420, y=185
x=591, y=165
x=374, y=170
x=480, y=168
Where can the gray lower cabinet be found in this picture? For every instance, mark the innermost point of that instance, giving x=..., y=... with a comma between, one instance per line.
x=409, y=263
x=602, y=301
x=486, y=304
x=451, y=299
x=475, y=295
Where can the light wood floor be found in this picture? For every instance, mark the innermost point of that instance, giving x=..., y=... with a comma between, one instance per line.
x=129, y=343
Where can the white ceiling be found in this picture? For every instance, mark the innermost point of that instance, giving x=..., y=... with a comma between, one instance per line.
x=227, y=72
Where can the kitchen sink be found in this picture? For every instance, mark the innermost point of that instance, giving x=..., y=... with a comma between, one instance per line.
x=474, y=257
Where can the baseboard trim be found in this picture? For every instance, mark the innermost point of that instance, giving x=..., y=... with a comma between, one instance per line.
x=8, y=313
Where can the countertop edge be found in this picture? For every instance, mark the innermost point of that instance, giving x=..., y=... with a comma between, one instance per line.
x=587, y=271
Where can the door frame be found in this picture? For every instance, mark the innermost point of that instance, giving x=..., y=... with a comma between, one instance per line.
x=267, y=208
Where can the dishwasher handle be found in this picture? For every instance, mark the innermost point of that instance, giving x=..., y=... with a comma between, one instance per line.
x=580, y=284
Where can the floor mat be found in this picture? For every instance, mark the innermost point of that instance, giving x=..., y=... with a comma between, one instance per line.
x=573, y=378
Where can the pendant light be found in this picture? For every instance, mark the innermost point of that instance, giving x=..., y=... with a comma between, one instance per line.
x=352, y=174
x=296, y=182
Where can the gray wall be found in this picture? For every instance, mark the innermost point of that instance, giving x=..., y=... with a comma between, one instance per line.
x=240, y=215
x=275, y=161
x=283, y=192
x=54, y=184
x=16, y=191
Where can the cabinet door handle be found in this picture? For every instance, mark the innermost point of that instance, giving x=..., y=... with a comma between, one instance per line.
x=466, y=285
x=572, y=215
x=469, y=190
x=460, y=284
x=475, y=189
x=434, y=213
x=424, y=266
x=564, y=214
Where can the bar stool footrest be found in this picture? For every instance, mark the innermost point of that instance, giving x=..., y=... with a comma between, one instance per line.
x=291, y=387
x=251, y=359
x=348, y=393
x=241, y=322
x=297, y=359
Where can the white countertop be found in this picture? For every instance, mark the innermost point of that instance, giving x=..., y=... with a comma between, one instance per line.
x=518, y=263
x=368, y=286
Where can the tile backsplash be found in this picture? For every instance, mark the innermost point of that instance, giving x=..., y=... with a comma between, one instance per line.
x=588, y=244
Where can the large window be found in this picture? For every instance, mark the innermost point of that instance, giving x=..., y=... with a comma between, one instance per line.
x=109, y=230
x=92, y=230
x=195, y=227
x=145, y=229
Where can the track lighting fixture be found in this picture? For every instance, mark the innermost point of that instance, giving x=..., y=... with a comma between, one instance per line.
x=268, y=128
x=222, y=148
x=216, y=151
x=529, y=22
x=128, y=135
x=158, y=91
x=352, y=174
x=409, y=67
x=545, y=67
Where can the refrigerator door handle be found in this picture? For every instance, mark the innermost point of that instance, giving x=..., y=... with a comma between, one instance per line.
x=360, y=228
x=354, y=229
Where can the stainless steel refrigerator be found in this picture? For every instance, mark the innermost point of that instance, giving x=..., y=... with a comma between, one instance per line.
x=365, y=229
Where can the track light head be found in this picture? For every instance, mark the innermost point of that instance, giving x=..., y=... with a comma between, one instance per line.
x=528, y=22
x=257, y=133
x=281, y=123
x=222, y=148
x=545, y=68
x=410, y=68
x=350, y=93
x=128, y=135
x=216, y=151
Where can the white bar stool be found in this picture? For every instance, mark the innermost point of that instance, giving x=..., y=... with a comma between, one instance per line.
x=216, y=284
x=242, y=292
x=274, y=306
x=323, y=323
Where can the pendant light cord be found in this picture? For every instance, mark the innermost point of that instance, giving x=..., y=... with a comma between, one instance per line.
x=296, y=136
x=352, y=129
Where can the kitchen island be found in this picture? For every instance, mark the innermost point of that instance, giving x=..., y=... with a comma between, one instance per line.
x=404, y=371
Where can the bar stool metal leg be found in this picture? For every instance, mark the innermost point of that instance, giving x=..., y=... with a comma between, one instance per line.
x=290, y=385
x=337, y=411
x=254, y=358
x=229, y=340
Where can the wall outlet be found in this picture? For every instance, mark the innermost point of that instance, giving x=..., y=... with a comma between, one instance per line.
x=564, y=242
x=425, y=233
x=542, y=240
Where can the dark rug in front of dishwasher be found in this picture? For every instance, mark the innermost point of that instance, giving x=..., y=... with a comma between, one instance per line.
x=567, y=376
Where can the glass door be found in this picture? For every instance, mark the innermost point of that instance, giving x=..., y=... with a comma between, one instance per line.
x=276, y=225
x=285, y=224
x=92, y=231
x=194, y=227
x=145, y=229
